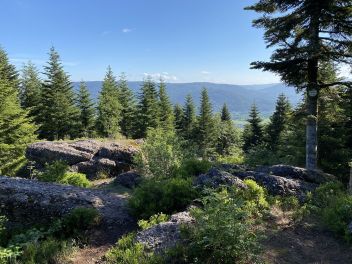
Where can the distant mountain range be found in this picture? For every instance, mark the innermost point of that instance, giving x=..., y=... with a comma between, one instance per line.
x=239, y=98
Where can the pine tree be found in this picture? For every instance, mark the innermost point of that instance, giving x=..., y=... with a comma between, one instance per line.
x=86, y=111
x=148, y=108
x=165, y=108
x=58, y=113
x=128, y=108
x=178, y=122
x=278, y=121
x=225, y=113
x=307, y=34
x=206, y=128
x=228, y=136
x=8, y=71
x=189, y=119
x=30, y=90
x=109, y=107
x=253, y=132
x=16, y=130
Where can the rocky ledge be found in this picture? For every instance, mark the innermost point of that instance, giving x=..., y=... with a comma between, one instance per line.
x=90, y=157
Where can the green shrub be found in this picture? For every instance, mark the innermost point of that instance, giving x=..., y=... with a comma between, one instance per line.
x=53, y=172
x=193, y=167
x=224, y=231
x=254, y=195
x=153, y=220
x=75, y=179
x=127, y=252
x=77, y=221
x=289, y=203
x=327, y=192
x=166, y=196
x=160, y=155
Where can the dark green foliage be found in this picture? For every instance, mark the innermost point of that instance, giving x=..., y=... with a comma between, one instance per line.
x=225, y=113
x=193, y=167
x=58, y=113
x=165, y=196
x=16, y=129
x=109, y=107
x=178, y=114
x=128, y=108
x=165, y=108
x=278, y=121
x=228, y=138
x=8, y=71
x=148, y=108
x=253, y=132
x=86, y=112
x=30, y=90
x=205, y=128
x=189, y=120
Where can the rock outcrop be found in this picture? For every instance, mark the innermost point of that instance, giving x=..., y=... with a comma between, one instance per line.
x=216, y=177
x=31, y=202
x=164, y=235
x=90, y=157
x=128, y=179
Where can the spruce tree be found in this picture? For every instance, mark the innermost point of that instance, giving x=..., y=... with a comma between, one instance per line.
x=8, y=71
x=225, y=113
x=189, y=119
x=178, y=122
x=128, y=108
x=86, y=111
x=16, y=129
x=307, y=34
x=228, y=136
x=165, y=108
x=206, y=127
x=278, y=121
x=30, y=90
x=253, y=132
x=148, y=108
x=58, y=113
x=109, y=107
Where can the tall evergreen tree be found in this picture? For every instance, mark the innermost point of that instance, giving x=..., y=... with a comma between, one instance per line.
x=165, y=108
x=278, y=121
x=109, y=107
x=225, y=113
x=178, y=122
x=228, y=136
x=253, y=132
x=148, y=108
x=16, y=130
x=189, y=119
x=58, y=113
x=307, y=34
x=30, y=90
x=128, y=107
x=8, y=71
x=86, y=110
x=206, y=127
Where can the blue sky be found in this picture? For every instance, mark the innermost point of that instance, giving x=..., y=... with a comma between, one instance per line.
x=182, y=40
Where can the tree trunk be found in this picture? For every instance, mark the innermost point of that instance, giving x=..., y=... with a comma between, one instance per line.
x=312, y=131
x=350, y=183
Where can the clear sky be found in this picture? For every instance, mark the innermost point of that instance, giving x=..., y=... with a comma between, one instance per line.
x=182, y=40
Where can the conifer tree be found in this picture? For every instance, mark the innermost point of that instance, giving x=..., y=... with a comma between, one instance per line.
x=165, y=108
x=225, y=113
x=148, y=108
x=86, y=111
x=128, y=107
x=178, y=122
x=30, y=90
x=307, y=34
x=206, y=128
x=58, y=113
x=8, y=71
x=253, y=132
x=189, y=119
x=16, y=129
x=278, y=121
x=109, y=107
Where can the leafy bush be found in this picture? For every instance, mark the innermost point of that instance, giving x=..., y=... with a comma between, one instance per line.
x=254, y=195
x=76, y=179
x=166, y=196
x=57, y=172
x=193, y=167
x=160, y=155
x=236, y=158
x=326, y=192
x=289, y=203
x=153, y=220
x=127, y=252
x=224, y=231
